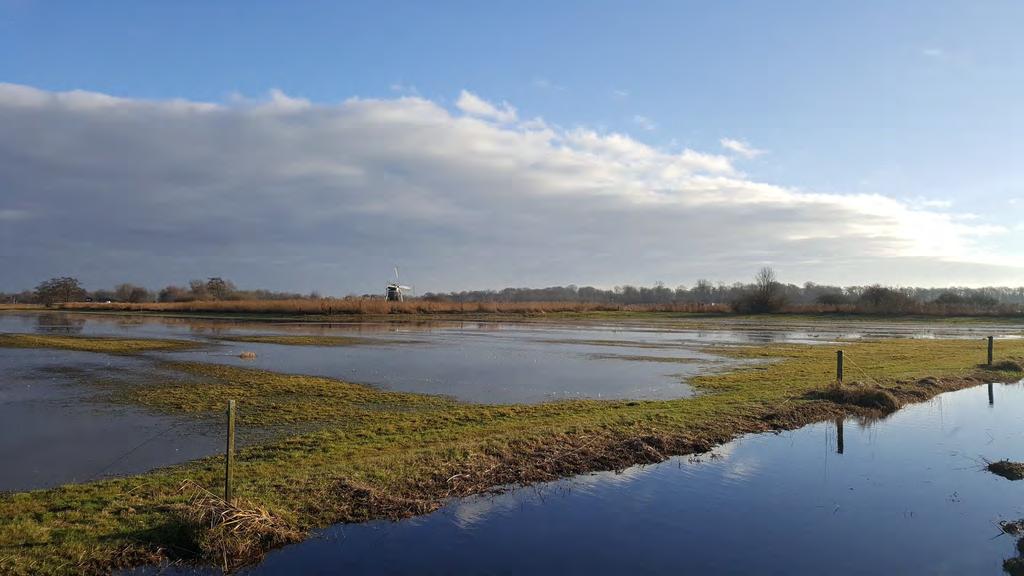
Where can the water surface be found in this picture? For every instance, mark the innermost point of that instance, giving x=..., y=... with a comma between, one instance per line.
x=907, y=495
x=57, y=429
x=496, y=362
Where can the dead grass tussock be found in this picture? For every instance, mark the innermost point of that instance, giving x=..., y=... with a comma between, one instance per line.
x=1007, y=366
x=363, y=502
x=864, y=396
x=236, y=533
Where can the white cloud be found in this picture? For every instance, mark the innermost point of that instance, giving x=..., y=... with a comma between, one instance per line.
x=282, y=102
x=295, y=195
x=620, y=94
x=644, y=122
x=476, y=106
x=741, y=148
x=933, y=52
x=934, y=203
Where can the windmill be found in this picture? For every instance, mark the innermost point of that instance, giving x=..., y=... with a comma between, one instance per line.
x=395, y=291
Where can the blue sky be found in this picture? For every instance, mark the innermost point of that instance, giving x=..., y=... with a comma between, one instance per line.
x=918, y=102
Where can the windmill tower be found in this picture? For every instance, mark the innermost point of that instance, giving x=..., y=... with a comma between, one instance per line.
x=395, y=291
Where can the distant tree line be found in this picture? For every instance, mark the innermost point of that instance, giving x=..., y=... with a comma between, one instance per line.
x=763, y=295
x=67, y=289
x=766, y=294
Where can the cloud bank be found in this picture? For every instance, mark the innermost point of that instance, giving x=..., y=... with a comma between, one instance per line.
x=290, y=194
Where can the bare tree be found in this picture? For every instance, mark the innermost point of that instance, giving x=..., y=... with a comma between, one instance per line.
x=766, y=286
x=54, y=290
x=220, y=288
x=765, y=295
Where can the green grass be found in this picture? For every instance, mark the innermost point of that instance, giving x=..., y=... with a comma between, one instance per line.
x=368, y=453
x=93, y=343
x=290, y=340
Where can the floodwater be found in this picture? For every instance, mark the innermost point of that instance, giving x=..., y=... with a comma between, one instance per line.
x=906, y=495
x=491, y=362
x=57, y=430
x=902, y=495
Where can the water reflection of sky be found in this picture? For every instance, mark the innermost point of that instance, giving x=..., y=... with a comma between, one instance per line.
x=493, y=362
x=906, y=496
x=56, y=430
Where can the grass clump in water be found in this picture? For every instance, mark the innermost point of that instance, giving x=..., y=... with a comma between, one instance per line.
x=1007, y=469
x=93, y=343
x=238, y=532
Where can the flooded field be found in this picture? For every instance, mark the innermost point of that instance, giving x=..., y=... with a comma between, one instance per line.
x=492, y=362
x=906, y=495
x=56, y=430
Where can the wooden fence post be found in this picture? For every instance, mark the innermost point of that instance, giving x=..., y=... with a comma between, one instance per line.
x=839, y=366
x=229, y=456
x=990, y=344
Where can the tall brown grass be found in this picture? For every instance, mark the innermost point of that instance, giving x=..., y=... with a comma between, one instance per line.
x=375, y=306
x=380, y=307
x=21, y=306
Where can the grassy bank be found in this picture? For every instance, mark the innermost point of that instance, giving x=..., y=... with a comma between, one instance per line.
x=367, y=453
x=94, y=344
x=300, y=340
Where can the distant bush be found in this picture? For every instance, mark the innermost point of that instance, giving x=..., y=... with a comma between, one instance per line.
x=879, y=299
x=834, y=299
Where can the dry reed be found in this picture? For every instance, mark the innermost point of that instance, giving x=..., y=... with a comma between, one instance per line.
x=235, y=533
x=376, y=306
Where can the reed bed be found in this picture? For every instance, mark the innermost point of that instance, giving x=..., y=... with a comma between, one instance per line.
x=381, y=307
x=375, y=306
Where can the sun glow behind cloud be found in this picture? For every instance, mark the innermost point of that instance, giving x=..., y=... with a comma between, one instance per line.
x=475, y=195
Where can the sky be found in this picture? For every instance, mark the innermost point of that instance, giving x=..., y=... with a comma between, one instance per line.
x=316, y=145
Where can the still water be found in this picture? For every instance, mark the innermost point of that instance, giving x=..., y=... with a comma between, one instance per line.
x=492, y=362
x=907, y=495
x=58, y=430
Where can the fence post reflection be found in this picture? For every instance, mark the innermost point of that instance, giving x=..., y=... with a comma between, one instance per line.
x=839, y=435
